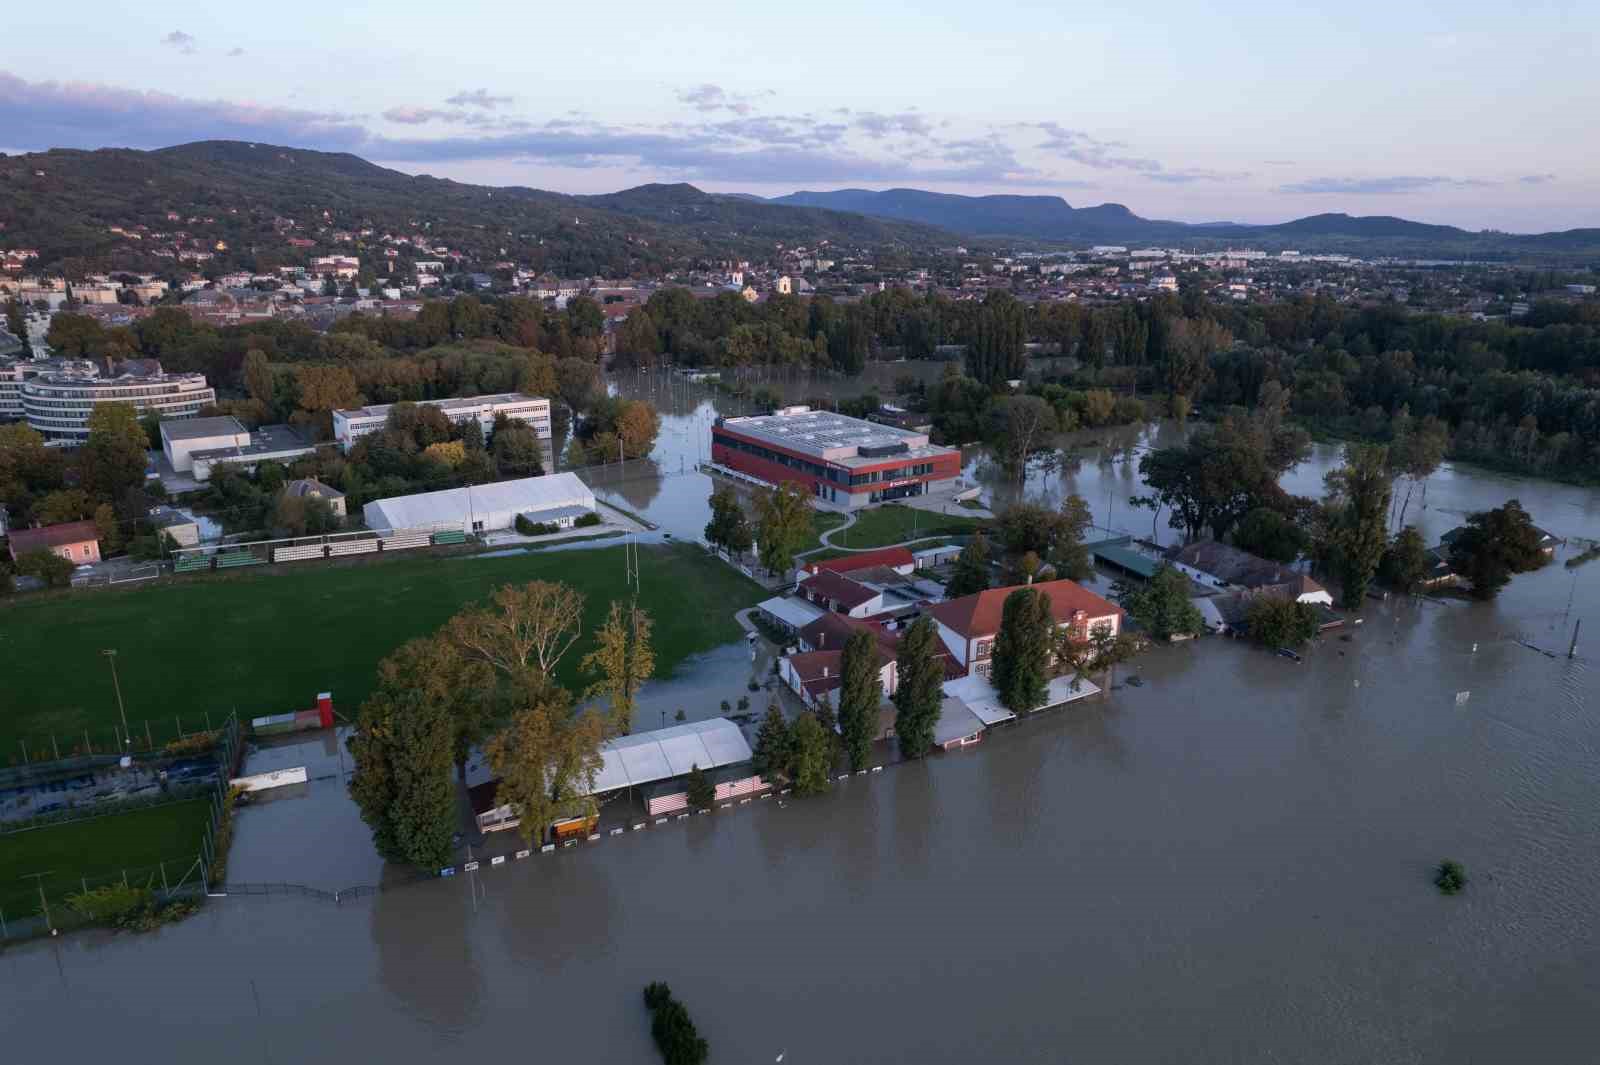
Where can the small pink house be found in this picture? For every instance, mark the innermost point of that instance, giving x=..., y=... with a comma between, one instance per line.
x=76, y=541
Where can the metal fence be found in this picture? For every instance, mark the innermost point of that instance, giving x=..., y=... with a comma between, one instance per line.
x=37, y=902
x=39, y=755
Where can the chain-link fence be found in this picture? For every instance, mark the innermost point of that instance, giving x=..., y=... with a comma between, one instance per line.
x=65, y=857
x=36, y=755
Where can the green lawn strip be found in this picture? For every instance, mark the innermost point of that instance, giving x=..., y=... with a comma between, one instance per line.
x=881, y=526
x=268, y=641
x=821, y=522
x=98, y=850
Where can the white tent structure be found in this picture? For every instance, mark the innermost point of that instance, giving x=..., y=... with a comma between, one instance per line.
x=556, y=497
x=646, y=757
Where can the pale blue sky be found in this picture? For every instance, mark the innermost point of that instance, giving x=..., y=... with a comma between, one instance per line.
x=1473, y=114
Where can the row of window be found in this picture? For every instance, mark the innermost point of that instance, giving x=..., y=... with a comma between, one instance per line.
x=815, y=469
x=900, y=474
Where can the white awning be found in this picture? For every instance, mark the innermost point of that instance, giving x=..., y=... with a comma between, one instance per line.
x=647, y=757
x=791, y=610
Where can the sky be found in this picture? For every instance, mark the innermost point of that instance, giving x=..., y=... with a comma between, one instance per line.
x=1463, y=112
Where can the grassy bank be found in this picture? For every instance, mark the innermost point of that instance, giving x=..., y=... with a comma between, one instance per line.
x=268, y=642
x=98, y=850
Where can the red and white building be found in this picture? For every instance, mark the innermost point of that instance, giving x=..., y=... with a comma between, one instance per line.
x=75, y=541
x=968, y=625
x=844, y=461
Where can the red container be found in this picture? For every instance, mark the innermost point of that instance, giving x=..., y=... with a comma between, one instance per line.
x=325, y=708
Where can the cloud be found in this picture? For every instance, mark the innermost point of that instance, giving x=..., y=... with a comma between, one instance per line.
x=1536, y=179
x=1081, y=147
x=417, y=116
x=862, y=148
x=880, y=126
x=1190, y=175
x=477, y=98
x=235, y=52
x=709, y=98
x=48, y=114
x=1378, y=186
x=183, y=42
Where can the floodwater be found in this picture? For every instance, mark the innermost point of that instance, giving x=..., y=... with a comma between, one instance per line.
x=1229, y=863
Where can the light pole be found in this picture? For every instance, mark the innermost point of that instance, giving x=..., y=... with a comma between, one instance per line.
x=111, y=655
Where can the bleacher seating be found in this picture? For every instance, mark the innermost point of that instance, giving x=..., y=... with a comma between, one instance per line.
x=296, y=552
x=405, y=540
x=352, y=547
x=191, y=563
x=234, y=559
x=450, y=536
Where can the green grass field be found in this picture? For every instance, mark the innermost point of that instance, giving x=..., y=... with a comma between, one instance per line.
x=881, y=526
x=821, y=522
x=98, y=850
x=267, y=642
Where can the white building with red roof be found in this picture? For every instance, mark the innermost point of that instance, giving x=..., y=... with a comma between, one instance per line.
x=968, y=625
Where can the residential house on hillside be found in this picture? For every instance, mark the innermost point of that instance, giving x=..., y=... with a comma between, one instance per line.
x=968, y=625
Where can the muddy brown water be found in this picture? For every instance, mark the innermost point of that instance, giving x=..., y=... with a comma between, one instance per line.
x=1228, y=863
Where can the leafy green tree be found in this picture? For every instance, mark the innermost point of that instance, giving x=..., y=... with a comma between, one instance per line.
x=47, y=566
x=517, y=450
x=472, y=435
x=860, y=692
x=971, y=571
x=811, y=755
x=728, y=527
x=1020, y=429
x=1278, y=622
x=783, y=525
x=546, y=758
x=402, y=750
x=773, y=748
x=112, y=460
x=1269, y=534
x=63, y=505
x=997, y=347
x=622, y=660
x=1054, y=536
x=1359, y=492
x=1405, y=561
x=1162, y=605
x=1494, y=545
x=578, y=382
x=1022, y=650
x=702, y=793
x=919, y=692
x=674, y=1033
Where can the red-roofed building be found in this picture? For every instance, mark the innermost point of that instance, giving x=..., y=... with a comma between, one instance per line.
x=968, y=625
x=76, y=541
x=838, y=593
x=896, y=558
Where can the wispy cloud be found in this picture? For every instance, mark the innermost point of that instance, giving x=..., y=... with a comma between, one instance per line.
x=1536, y=179
x=1080, y=147
x=1378, y=186
x=879, y=126
x=477, y=98
x=235, y=52
x=418, y=116
x=183, y=42
x=1190, y=175
x=710, y=98
x=79, y=115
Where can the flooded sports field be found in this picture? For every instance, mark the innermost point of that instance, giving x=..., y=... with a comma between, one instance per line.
x=1229, y=862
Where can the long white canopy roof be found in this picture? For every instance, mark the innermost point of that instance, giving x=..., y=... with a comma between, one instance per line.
x=646, y=757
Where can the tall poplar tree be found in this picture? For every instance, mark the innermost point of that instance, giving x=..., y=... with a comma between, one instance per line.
x=622, y=659
x=859, y=694
x=1359, y=494
x=1022, y=650
x=919, y=691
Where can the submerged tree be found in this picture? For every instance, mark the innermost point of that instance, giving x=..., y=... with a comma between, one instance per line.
x=1162, y=605
x=1358, y=494
x=811, y=755
x=772, y=752
x=403, y=750
x=546, y=759
x=1494, y=545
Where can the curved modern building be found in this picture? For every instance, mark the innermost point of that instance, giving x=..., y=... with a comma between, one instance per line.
x=58, y=402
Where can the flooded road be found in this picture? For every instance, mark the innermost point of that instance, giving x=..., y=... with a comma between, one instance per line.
x=1229, y=863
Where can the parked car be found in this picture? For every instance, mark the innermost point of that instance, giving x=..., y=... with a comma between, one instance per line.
x=1293, y=656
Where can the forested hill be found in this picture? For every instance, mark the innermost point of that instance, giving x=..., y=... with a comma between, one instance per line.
x=1052, y=218
x=65, y=203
